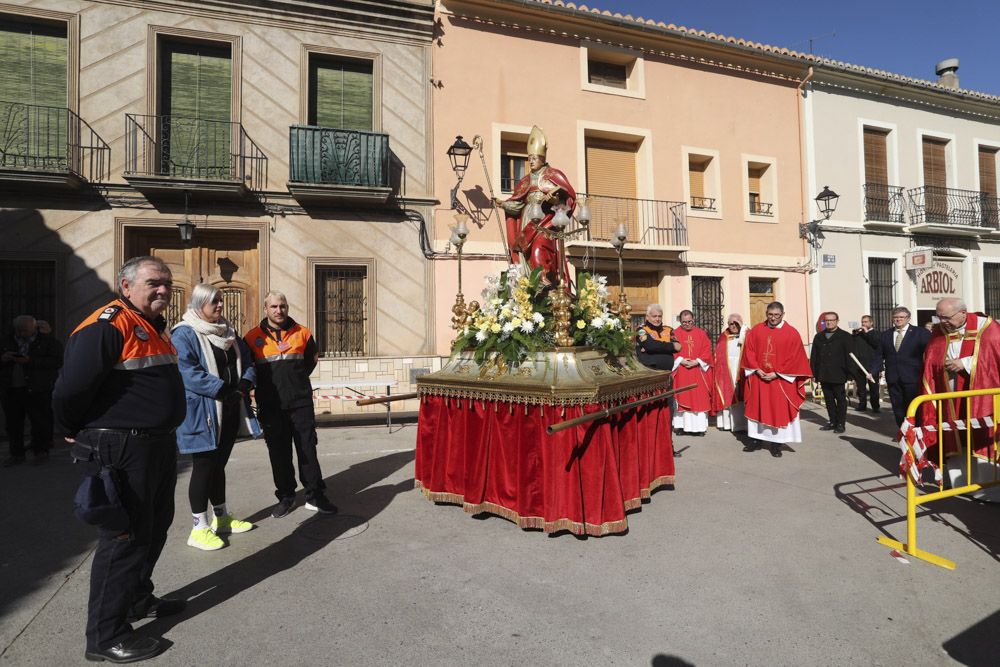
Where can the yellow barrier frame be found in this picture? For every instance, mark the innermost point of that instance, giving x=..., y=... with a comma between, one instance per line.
x=912, y=499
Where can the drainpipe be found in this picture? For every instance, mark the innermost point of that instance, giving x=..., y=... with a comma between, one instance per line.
x=809, y=277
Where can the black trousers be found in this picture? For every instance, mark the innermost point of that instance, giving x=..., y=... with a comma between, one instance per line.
x=868, y=390
x=208, y=469
x=900, y=395
x=121, y=576
x=281, y=429
x=36, y=406
x=836, y=402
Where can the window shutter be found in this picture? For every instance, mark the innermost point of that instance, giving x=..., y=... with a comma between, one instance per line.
x=988, y=171
x=341, y=94
x=34, y=58
x=611, y=169
x=753, y=178
x=696, y=177
x=876, y=160
x=934, y=163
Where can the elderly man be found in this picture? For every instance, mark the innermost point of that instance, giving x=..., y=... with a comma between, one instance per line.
x=655, y=343
x=726, y=400
x=28, y=369
x=963, y=354
x=831, y=364
x=285, y=353
x=775, y=368
x=692, y=366
x=903, y=348
x=121, y=397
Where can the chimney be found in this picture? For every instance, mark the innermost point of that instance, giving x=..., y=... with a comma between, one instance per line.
x=947, y=72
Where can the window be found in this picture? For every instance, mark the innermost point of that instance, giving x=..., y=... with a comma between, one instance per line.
x=935, y=180
x=761, y=294
x=342, y=310
x=341, y=93
x=513, y=160
x=614, y=75
x=612, y=185
x=760, y=188
x=881, y=290
x=33, y=80
x=988, y=186
x=991, y=289
x=702, y=183
x=27, y=287
x=877, y=206
x=196, y=108
x=755, y=175
x=706, y=302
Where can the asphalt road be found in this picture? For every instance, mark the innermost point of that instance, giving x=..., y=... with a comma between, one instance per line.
x=750, y=560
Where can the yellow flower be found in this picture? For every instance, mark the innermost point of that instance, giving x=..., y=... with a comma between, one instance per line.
x=496, y=328
x=516, y=321
x=505, y=313
x=580, y=324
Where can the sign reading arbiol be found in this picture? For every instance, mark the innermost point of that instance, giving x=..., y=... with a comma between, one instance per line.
x=942, y=278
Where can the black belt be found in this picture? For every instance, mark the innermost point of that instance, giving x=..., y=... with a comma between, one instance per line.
x=136, y=432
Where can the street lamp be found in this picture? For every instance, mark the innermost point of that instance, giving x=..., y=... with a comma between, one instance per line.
x=458, y=155
x=458, y=235
x=623, y=308
x=185, y=226
x=826, y=201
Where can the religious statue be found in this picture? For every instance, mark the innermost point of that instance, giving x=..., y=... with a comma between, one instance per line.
x=548, y=187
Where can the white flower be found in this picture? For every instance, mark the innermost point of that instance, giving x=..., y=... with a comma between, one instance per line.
x=465, y=331
x=508, y=327
x=597, y=322
x=527, y=326
x=538, y=318
x=614, y=322
x=481, y=335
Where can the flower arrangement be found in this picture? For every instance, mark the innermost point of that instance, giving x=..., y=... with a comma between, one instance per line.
x=515, y=319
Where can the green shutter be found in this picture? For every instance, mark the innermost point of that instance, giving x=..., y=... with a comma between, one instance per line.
x=197, y=100
x=33, y=71
x=340, y=94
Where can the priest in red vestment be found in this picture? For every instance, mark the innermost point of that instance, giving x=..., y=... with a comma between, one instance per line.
x=963, y=354
x=548, y=187
x=692, y=365
x=727, y=401
x=774, y=369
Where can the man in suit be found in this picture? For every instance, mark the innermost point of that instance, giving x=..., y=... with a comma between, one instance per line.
x=830, y=361
x=868, y=350
x=903, y=348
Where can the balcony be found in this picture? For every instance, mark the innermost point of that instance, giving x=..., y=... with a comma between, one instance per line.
x=703, y=204
x=758, y=207
x=49, y=146
x=654, y=226
x=335, y=166
x=951, y=212
x=884, y=206
x=170, y=154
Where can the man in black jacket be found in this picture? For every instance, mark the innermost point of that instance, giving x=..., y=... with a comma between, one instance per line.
x=868, y=350
x=830, y=361
x=28, y=368
x=655, y=343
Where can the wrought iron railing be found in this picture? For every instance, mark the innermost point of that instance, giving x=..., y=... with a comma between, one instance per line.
x=338, y=157
x=989, y=210
x=761, y=207
x=883, y=203
x=192, y=148
x=946, y=206
x=651, y=222
x=703, y=203
x=53, y=140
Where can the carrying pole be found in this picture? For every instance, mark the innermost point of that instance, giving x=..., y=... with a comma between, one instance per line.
x=385, y=399
x=607, y=412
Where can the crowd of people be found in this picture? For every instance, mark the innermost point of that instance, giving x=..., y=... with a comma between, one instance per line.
x=755, y=378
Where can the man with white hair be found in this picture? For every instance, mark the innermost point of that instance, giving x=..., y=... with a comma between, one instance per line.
x=285, y=353
x=963, y=354
x=655, y=342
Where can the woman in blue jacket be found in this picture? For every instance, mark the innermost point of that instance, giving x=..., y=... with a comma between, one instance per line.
x=218, y=374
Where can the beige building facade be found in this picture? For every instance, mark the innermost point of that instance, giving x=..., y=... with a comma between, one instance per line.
x=915, y=164
x=691, y=141
x=290, y=140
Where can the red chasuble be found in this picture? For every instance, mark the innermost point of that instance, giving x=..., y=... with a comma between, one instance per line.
x=981, y=342
x=695, y=345
x=779, y=350
x=724, y=390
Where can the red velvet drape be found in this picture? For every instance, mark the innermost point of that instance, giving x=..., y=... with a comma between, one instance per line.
x=497, y=458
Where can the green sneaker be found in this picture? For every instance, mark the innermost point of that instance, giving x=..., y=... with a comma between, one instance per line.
x=229, y=524
x=205, y=539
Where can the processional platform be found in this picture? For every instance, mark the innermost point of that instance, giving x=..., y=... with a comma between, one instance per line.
x=483, y=440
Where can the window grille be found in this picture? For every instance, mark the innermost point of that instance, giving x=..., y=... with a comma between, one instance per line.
x=991, y=289
x=881, y=290
x=706, y=302
x=27, y=288
x=342, y=310
x=178, y=304
x=234, y=301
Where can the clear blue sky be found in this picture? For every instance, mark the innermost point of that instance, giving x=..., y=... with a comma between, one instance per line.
x=902, y=36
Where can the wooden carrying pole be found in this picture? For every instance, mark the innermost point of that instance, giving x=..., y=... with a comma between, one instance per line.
x=386, y=399
x=607, y=412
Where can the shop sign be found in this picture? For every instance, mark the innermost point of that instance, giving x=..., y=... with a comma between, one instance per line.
x=941, y=279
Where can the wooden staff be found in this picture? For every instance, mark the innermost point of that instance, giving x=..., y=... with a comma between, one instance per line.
x=863, y=369
x=607, y=412
x=385, y=399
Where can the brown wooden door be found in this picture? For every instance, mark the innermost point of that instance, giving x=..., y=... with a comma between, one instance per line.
x=229, y=260
x=761, y=294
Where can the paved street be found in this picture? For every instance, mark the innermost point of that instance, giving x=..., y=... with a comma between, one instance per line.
x=749, y=561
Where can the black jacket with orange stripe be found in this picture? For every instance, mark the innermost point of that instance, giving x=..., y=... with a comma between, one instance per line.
x=283, y=359
x=120, y=371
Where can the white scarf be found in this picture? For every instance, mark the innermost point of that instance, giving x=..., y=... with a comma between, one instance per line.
x=221, y=335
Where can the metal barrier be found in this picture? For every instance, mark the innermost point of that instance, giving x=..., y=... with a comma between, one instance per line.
x=912, y=499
